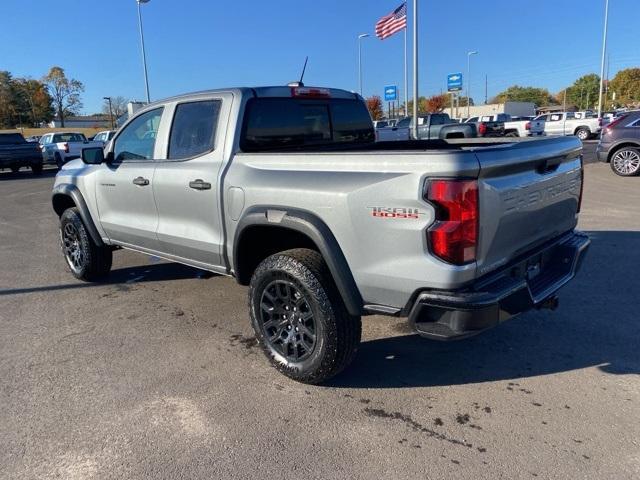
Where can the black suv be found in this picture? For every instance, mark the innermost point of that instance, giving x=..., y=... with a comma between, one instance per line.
x=620, y=145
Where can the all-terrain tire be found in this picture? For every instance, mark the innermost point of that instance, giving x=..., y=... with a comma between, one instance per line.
x=86, y=260
x=336, y=332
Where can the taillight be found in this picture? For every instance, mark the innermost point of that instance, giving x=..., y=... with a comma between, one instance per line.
x=527, y=126
x=482, y=129
x=66, y=148
x=454, y=235
x=611, y=125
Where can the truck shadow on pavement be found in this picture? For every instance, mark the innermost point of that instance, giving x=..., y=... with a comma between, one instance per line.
x=596, y=325
x=158, y=272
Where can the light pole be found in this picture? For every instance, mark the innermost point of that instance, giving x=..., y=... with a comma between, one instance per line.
x=360, y=37
x=469, y=78
x=110, y=111
x=604, y=49
x=144, y=56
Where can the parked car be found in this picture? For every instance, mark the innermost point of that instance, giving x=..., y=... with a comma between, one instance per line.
x=486, y=126
x=104, y=136
x=430, y=127
x=583, y=125
x=620, y=145
x=285, y=189
x=59, y=148
x=33, y=138
x=16, y=152
x=523, y=127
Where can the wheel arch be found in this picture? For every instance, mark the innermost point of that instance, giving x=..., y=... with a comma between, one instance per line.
x=582, y=127
x=303, y=229
x=620, y=146
x=66, y=195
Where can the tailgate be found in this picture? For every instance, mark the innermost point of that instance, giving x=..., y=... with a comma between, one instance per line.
x=536, y=126
x=529, y=193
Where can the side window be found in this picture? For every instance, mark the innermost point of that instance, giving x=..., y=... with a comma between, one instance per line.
x=437, y=119
x=571, y=115
x=543, y=117
x=138, y=139
x=405, y=122
x=556, y=117
x=194, y=129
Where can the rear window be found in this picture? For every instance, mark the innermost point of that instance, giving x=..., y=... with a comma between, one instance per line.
x=11, y=139
x=273, y=123
x=68, y=137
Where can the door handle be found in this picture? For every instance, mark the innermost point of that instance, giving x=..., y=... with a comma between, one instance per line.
x=199, y=184
x=141, y=181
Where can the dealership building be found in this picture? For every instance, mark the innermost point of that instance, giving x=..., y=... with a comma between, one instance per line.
x=515, y=109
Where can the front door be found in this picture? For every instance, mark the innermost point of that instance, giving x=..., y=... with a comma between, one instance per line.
x=185, y=183
x=124, y=187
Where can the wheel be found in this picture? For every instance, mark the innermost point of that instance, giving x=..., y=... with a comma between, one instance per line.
x=299, y=317
x=86, y=260
x=626, y=162
x=36, y=169
x=583, y=134
x=15, y=169
x=512, y=134
x=58, y=160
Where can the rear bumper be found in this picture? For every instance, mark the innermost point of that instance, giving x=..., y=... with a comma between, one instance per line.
x=527, y=283
x=602, y=154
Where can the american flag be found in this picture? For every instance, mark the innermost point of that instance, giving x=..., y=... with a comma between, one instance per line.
x=392, y=23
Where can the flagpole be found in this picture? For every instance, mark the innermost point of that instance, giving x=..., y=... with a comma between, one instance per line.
x=406, y=77
x=415, y=69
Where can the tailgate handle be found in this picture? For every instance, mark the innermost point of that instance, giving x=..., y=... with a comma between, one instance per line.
x=549, y=165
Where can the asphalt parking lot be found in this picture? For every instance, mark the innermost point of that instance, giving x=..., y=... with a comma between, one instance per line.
x=156, y=373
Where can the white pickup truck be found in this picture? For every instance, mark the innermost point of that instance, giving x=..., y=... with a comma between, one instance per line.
x=583, y=125
x=60, y=147
x=514, y=126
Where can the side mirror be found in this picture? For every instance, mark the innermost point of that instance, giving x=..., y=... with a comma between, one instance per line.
x=93, y=155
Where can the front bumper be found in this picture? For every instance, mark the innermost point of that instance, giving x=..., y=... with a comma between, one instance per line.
x=529, y=282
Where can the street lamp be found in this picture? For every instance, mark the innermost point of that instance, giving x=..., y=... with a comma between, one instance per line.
x=360, y=37
x=469, y=78
x=604, y=50
x=110, y=112
x=144, y=56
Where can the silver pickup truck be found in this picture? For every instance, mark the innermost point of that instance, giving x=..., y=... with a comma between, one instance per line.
x=431, y=126
x=285, y=189
x=583, y=125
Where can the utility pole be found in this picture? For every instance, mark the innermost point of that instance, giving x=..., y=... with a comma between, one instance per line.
x=360, y=37
x=415, y=69
x=474, y=52
x=604, y=50
x=486, y=88
x=144, y=55
x=110, y=112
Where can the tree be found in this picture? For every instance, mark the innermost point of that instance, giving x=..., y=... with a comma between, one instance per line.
x=34, y=100
x=7, y=100
x=65, y=92
x=626, y=86
x=582, y=94
x=516, y=93
x=374, y=104
x=118, y=106
x=437, y=103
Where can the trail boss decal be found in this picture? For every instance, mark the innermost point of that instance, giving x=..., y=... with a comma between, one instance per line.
x=395, y=212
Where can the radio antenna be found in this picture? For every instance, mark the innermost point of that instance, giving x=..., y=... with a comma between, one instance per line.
x=304, y=69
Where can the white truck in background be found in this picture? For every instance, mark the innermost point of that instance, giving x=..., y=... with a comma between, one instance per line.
x=60, y=147
x=583, y=125
x=516, y=126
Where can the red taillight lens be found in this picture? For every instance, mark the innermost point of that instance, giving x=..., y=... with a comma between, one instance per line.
x=612, y=124
x=454, y=235
x=482, y=129
x=527, y=126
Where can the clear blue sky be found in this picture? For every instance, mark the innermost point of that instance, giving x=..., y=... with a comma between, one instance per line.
x=200, y=44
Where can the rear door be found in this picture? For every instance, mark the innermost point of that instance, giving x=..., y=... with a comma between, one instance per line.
x=555, y=124
x=529, y=193
x=124, y=186
x=186, y=185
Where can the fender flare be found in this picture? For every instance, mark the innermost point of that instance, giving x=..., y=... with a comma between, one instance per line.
x=313, y=227
x=71, y=191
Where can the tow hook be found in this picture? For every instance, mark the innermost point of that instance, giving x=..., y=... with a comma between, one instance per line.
x=550, y=303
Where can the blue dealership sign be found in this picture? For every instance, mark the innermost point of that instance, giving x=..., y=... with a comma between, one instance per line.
x=454, y=82
x=390, y=93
